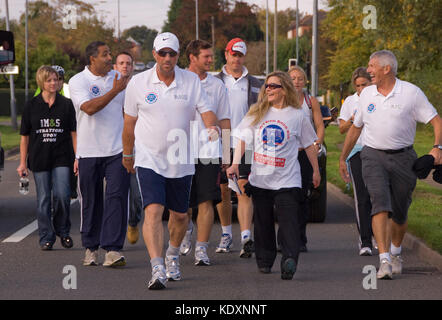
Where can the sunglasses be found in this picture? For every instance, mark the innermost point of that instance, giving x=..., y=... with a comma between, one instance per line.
x=272, y=86
x=163, y=53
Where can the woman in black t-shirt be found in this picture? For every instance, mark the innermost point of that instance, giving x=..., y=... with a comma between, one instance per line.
x=48, y=141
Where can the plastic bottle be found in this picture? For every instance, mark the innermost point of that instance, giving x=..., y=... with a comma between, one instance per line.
x=23, y=185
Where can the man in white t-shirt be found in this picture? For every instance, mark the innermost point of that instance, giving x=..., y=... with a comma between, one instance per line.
x=243, y=90
x=97, y=95
x=159, y=107
x=205, y=191
x=389, y=111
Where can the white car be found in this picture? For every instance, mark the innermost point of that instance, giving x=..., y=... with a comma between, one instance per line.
x=139, y=66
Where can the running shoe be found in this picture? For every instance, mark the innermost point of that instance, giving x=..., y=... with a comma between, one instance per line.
x=226, y=243
x=173, y=268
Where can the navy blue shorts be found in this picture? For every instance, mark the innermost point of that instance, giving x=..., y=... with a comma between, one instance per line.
x=172, y=193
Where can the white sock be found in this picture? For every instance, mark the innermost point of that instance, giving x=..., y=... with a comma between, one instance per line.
x=227, y=229
x=172, y=251
x=245, y=235
x=384, y=256
x=190, y=225
x=395, y=250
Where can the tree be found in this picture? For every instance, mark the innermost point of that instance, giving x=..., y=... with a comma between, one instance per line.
x=145, y=37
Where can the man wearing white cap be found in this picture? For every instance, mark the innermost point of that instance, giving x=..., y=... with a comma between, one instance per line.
x=159, y=106
x=243, y=90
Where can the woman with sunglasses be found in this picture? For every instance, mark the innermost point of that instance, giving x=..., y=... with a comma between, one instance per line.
x=276, y=127
x=312, y=109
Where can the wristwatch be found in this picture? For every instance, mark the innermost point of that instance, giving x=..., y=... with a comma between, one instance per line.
x=317, y=144
x=438, y=146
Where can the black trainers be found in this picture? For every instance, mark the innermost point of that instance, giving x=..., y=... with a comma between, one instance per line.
x=67, y=242
x=46, y=247
x=264, y=269
x=247, y=249
x=288, y=269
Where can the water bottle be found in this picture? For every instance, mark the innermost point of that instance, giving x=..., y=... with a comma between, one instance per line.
x=23, y=185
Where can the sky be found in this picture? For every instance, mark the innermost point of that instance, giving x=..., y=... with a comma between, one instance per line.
x=151, y=13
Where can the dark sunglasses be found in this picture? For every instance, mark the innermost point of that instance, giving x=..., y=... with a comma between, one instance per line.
x=272, y=86
x=163, y=53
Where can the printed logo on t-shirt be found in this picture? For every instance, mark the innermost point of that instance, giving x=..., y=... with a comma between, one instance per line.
x=151, y=97
x=274, y=135
x=371, y=108
x=95, y=90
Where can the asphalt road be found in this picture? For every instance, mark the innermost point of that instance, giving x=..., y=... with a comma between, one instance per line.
x=331, y=269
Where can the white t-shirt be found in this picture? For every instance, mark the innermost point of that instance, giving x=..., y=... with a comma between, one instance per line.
x=390, y=122
x=165, y=113
x=217, y=95
x=237, y=90
x=276, y=140
x=349, y=108
x=98, y=135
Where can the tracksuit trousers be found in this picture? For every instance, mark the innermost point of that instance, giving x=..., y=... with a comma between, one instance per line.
x=104, y=215
x=286, y=203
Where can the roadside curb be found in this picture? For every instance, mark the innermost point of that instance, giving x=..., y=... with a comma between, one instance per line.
x=410, y=241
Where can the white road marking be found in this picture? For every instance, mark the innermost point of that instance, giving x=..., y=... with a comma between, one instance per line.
x=27, y=230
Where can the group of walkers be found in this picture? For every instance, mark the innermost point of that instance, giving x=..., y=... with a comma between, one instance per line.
x=174, y=139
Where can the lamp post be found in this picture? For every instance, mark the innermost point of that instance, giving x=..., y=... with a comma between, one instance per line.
x=196, y=18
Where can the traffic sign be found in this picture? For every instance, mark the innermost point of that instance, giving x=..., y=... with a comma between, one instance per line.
x=9, y=69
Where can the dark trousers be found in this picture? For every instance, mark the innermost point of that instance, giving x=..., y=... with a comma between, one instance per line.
x=135, y=201
x=283, y=205
x=362, y=202
x=103, y=215
x=307, y=180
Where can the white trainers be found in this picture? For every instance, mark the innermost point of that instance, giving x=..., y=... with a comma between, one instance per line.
x=225, y=244
x=365, y=251
x=186, y=244
x=114, y=259
x=396, y=264
x=173, y=268
x=90, y=258
x=159, y=278
x=201, y=258
x=385, y=270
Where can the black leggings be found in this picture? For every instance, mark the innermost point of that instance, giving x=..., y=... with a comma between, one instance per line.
x=282, y=204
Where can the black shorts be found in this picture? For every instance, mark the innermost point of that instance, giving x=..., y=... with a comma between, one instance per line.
x=244, y=167
x=205, y=182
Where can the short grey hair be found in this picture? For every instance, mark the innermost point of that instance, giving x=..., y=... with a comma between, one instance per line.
x=386, y=58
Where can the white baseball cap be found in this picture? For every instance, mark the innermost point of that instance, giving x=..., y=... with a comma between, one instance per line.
x=166, y=40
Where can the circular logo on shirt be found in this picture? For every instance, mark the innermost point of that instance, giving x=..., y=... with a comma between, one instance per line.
x=95, y=90
x=151, y=97
x=371, y=108
x=273, y=137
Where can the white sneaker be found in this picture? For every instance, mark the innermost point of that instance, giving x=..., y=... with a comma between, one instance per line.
x=396, y=264
x=173, y=268
x=201, y=258
x=225, y=244
x=385, y=270
x=365, y=251
x=114, y=259
x=159, y=278
x=186, y=244
x=90, y=258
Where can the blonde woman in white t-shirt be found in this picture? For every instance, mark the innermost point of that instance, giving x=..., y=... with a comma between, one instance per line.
x=276, y=127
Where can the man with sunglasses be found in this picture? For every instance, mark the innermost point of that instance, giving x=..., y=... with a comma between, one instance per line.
x=159, y=106
x=242, y=90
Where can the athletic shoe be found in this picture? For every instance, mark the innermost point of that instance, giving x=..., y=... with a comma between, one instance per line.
x=114, y=259
x=90, y=258
x=288, y=269
x=67, y=242
x=173, y=268
x=385, y=270
x=365, y=251
x=374, y=243
x=186, y=244
x=396, y=264
x=46, y=247
x=265, y=269
x=159, y=278
x=225, y=244
x=132, y=234
x=248, y=248
x=303, y=248
x=201, y=258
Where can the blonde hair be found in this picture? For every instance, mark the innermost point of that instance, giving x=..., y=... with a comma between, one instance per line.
x=43, y=74
x=299, y=69
x=262, y=106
